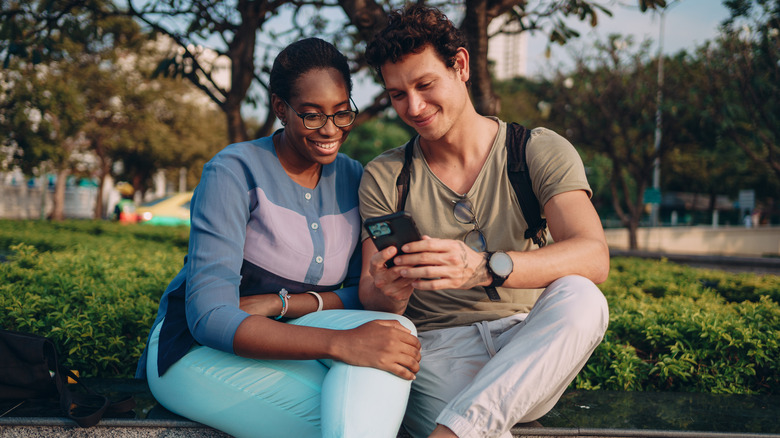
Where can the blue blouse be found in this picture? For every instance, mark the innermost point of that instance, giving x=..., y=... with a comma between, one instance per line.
x=254, y=231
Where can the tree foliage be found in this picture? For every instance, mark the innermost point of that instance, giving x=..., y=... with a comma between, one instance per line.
x=373, y=137
x=236, y=29
x=713, y=109
x=608, y=105
x=744, y=64
x=87, y=102
x=248, y=34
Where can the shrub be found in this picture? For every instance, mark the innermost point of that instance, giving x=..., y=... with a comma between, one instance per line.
x=670, y=329
x=93, y=287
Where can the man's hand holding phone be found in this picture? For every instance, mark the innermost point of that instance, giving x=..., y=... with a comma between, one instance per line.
x=389, y=233
x=392, y=230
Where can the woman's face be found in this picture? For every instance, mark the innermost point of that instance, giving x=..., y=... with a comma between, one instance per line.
x=316, y=91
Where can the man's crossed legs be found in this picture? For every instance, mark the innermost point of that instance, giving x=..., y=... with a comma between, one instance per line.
x=481, y=380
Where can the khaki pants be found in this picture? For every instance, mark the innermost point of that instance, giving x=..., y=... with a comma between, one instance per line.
x=482, y=379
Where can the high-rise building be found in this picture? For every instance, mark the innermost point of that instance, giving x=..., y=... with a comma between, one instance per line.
x=507, y=51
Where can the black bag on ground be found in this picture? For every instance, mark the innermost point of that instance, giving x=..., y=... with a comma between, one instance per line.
x=30, y=369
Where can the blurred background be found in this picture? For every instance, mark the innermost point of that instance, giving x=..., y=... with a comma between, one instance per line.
x=111, y=107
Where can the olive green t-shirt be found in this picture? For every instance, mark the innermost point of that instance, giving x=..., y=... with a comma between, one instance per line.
x=555, y=167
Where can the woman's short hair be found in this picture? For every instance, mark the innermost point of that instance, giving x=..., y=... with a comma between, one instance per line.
x=409, y=30
x=299, y=58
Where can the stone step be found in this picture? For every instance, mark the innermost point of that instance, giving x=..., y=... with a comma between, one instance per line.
x=578, y=414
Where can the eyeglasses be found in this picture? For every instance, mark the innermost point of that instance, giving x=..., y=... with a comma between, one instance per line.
x=341, y=119
x=464, y=213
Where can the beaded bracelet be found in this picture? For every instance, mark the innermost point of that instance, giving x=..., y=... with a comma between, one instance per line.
x=285, y=297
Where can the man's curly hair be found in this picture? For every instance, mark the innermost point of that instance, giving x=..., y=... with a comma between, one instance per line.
x=408, y=31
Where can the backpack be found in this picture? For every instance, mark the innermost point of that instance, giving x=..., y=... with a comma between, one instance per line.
x=517, y=169
x=30, y=369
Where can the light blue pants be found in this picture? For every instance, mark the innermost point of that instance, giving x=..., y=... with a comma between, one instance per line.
x=284, y=398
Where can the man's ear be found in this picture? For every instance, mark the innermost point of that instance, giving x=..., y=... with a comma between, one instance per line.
x=462, y=64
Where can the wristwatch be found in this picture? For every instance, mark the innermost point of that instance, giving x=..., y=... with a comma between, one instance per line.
x=499, y=266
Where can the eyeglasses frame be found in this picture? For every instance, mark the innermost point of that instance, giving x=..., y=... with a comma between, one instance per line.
x=303, y=116
x=470, y=208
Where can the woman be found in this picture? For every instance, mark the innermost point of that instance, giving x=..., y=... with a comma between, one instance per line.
x=246, y=339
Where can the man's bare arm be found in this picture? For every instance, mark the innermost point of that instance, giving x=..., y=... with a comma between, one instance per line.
x=580, y=248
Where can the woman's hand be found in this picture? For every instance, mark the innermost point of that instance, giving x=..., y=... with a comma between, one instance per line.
x=383, y=344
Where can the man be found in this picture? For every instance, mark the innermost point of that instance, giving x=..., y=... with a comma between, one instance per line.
x=486, y=365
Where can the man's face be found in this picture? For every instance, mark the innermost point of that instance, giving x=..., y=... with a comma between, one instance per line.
x=427, y=95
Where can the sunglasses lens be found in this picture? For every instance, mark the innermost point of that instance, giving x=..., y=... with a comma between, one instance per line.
x=475, y=240
x=463, y=213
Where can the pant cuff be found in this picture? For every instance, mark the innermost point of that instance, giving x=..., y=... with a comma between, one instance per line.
x=457, y=423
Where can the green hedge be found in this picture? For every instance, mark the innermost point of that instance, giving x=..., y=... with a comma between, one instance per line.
x=678, y=328
x=93, y=287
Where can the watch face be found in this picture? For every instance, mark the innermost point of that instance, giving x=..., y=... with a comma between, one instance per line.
x=501, y=264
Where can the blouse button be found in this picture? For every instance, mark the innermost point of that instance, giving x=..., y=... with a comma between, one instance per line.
x=307, y=196
x=319, y=259
x=314, y=226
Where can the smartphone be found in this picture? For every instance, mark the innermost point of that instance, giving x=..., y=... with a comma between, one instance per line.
x=396, y=229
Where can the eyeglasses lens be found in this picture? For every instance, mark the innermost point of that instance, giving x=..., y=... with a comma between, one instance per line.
x=476, y=240
x=344, y=118
x=464, y=213
x=315, y=121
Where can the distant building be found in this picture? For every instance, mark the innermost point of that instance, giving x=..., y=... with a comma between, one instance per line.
x=508, y=52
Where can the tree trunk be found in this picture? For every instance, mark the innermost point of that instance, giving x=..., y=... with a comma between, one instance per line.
x=58, y=200
x=97, y=212
x=103, y=171
x=366, y=15
x=139, y=188
x=268, y=126
x=235, y=124
x=633, y=228
x=474, y=26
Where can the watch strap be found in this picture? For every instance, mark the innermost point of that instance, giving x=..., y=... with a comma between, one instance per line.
x=492, y=293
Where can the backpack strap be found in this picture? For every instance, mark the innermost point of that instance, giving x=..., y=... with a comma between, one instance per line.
x=517, y=168
x=402, y=182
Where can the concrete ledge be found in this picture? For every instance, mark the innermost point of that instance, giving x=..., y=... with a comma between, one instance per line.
x=56, y=428
x=29, y=427
x=593, y=414
x=701, y=240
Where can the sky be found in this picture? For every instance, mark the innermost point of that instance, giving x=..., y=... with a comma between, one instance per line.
x=687, y=24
